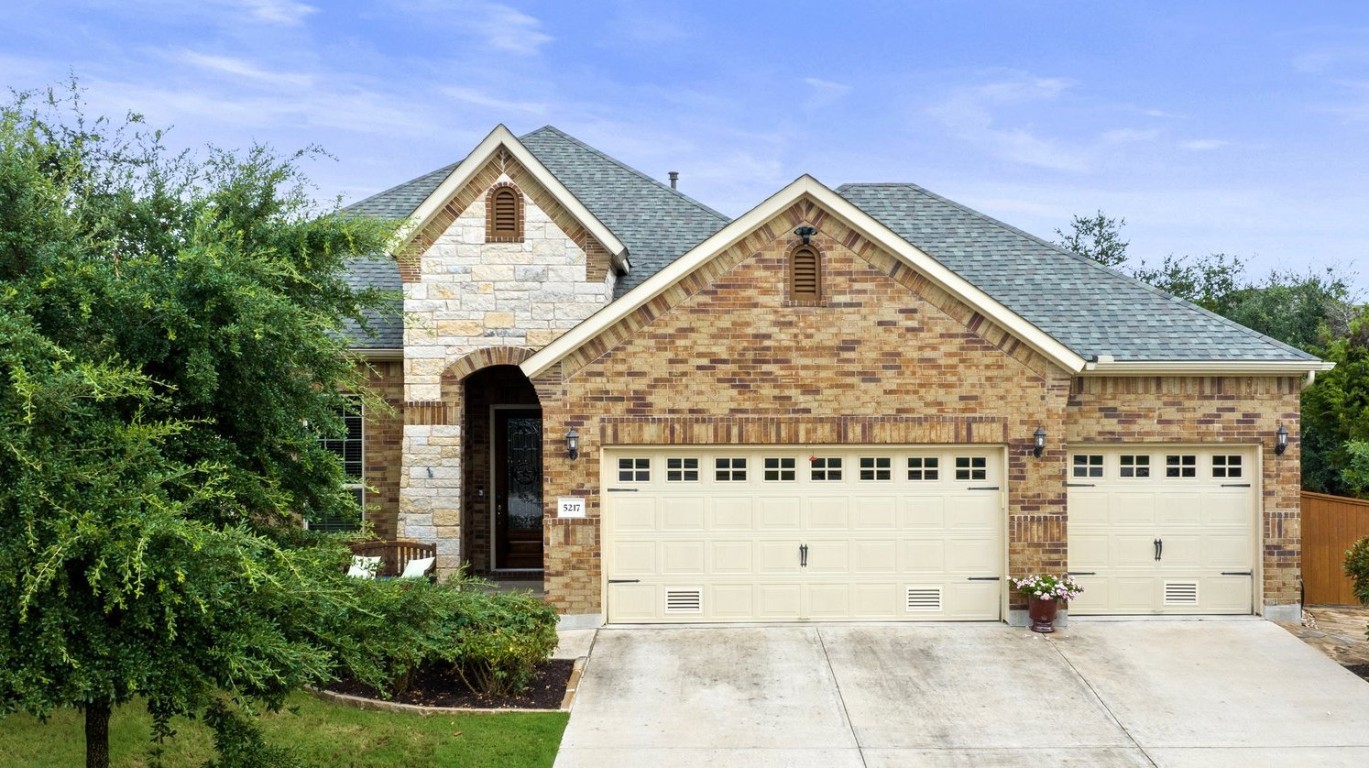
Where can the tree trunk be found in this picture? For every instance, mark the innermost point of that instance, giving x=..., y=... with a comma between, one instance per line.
x=97, y=734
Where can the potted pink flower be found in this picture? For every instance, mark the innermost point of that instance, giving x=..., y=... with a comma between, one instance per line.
x=1045, y=594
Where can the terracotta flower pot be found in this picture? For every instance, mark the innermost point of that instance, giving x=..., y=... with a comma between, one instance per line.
x=1042, y=613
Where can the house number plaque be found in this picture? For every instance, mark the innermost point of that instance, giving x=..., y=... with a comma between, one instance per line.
x=570, y=506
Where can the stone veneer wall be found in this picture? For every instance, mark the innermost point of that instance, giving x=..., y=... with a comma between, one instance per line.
x=463, y=294
x=725, y=357
x=1233, y=409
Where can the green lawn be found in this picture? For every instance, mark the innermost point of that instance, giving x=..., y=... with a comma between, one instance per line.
x=325, y=735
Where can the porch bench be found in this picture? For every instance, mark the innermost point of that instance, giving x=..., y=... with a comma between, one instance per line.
x=395, y=555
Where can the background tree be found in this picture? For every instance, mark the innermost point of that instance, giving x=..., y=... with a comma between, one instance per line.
x=1098, y=237
x=170, y=347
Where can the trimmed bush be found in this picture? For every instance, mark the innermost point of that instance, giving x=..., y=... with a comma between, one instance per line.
x=499, y=639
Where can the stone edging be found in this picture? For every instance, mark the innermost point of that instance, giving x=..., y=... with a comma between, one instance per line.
x=379, y=705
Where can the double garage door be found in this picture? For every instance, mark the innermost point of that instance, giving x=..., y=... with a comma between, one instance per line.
x=728, y=534
x=1163, y=530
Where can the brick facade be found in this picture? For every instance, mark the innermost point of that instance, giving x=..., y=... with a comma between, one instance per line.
x=383, y=437
x=726, y=357
x=1236, y=410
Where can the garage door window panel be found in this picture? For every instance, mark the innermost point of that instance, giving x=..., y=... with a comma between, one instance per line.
x=971, y=468
x=1181, y=465
x=1225, y=466
x=876, y=468
x=1088, y=465
x=681, y=470
x=634, y=470
x=1135, y=466
x=779, y=469
x=825, y=468
x=924, y=468
x=729, y=470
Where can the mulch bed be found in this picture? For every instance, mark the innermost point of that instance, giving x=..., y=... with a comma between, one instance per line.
x=1360, y=669
x=440, y=687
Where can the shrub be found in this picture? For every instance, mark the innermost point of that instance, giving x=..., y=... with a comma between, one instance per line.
x=398, y=626
x=1357, y=568
x=499, y=639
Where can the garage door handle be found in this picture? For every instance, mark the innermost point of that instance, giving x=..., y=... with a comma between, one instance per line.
x=625, y=581
x=1079, y=485
x=1156, y=544
x=803, y=555
x=1235, y=485
x=1081, y=573
x=982, y=488
x=1238, y=573
x=982, y=578
x=622, y=490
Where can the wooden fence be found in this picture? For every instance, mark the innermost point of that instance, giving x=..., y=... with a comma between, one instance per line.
x=1330, y=525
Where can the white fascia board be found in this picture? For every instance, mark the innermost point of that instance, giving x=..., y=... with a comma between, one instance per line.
x=1207, y=368
x=377, y=355
x=503, y=137
x=853, y=217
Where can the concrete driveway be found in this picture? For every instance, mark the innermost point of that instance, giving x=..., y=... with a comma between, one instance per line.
x=1101, y=693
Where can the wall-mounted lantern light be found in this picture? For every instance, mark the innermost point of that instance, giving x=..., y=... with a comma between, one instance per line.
x=806, y=233
x=573, y=444
x=1039, y=444
x=1281, y=440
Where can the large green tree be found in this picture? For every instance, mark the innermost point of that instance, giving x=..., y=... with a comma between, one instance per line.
x=170, y=351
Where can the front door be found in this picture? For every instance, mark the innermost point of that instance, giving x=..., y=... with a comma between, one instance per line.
x=518, y=489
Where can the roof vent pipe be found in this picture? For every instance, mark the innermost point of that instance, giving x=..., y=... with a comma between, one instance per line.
x=674, y=178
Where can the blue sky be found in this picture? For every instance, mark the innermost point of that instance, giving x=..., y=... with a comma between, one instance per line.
x=1239, y=127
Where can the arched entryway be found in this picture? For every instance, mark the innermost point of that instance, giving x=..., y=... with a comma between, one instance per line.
x=502, y=505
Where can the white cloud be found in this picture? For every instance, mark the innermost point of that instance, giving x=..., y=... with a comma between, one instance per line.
x=972, y=113
x=509, y=29
x=243, y=69
x=824, y=92
x=284, y=12
x=1130, y=135
x=1204, y=145
x=482, y=99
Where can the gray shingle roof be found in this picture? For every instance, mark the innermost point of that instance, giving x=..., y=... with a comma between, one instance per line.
x=388, y=322
x=401, y=200
x=655, y=222
x=1089, y=308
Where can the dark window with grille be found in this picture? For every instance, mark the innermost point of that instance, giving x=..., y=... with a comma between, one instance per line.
x=825, y=468
x=349, y=448
x=805, y=275
x=923, y=468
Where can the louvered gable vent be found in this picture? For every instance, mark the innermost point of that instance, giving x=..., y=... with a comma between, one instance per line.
x=805, y=280
x=504, y=220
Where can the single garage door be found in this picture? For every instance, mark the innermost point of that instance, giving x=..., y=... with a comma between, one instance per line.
x=797, y=533
x=1163, y=530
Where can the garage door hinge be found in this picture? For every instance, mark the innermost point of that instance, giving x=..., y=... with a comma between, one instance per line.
x=982, y=488
x=623, y=490
x=1082, y=573
x=982, y=578
x=1238, y=573
x=1079, y=485
x=1235, y=485
x=625, y=581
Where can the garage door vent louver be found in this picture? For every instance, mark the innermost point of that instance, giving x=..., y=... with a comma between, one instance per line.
x=924, y=599
x=683, y=601
x=1181, y=593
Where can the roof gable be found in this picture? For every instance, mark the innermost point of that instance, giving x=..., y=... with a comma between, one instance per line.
x=805, y=187
x=501, y=139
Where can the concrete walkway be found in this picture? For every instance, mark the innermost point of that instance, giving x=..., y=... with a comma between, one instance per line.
x=1114, y=693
